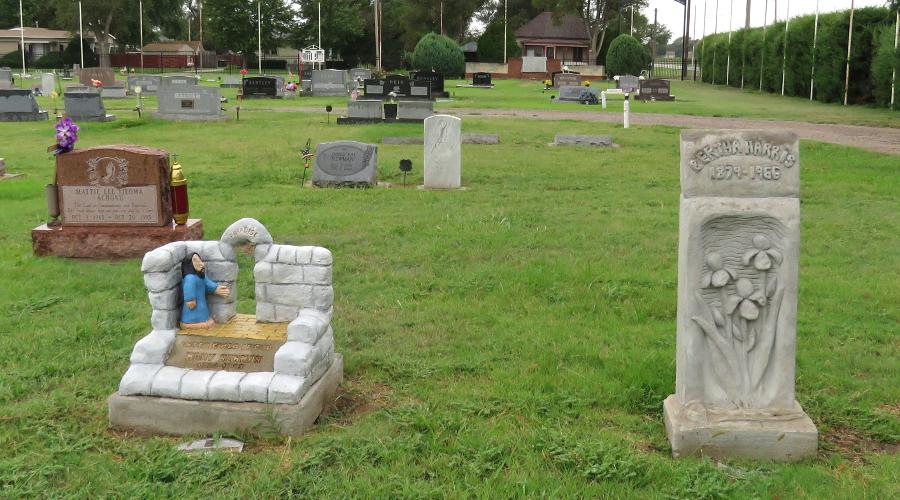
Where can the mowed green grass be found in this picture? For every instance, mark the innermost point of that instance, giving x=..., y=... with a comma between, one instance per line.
x=692, y=98
x=515, y=339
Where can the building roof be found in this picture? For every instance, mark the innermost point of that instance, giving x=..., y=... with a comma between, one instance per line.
x=470, y=46
x=39, y=34
x=174, y=46
x=544, y=27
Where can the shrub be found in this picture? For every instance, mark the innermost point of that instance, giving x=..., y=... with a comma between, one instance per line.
x=13, y=59
x=626, y=56
x=72, y=54
x=440, y=54
x=50, y=60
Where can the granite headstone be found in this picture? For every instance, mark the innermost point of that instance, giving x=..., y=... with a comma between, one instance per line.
x=190, y=102
x=442, y=152
x=86, y=107
x=346, y=164
x=19, y=105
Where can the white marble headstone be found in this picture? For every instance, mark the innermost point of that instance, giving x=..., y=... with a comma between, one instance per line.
x=442, y=152
x=48, y=84
x=738, y=260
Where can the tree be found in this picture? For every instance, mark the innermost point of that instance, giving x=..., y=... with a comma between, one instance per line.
x=232, y=25
x=439, y=53
x=596, y=14
x=33, y=13
x=490, y=44
x=626, y=56
x=346, y=25
x=118, y=19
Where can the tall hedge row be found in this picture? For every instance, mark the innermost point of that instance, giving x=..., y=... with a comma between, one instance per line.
x=754, y=53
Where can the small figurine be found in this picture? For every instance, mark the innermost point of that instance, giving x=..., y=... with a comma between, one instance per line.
x=194, y=287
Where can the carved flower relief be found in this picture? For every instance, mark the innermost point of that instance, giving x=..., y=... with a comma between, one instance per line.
x=718, y=275
x=747, y=301
x=762, y=254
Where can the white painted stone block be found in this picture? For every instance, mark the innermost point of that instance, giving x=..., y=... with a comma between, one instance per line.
x=292, y=295
x=153, y=348
x=223, y=312
x=138, y=379
x=255, y=386
x=287, y=273
x=211, y=251
x=158, y=260
x=222, y=270
x=285, y=314
x=195, y=383
x=321, y=256
x=246, y=230
x=295, y=358
x=286, y=389
x=261, y=252
x=177, y=249
x=260, y=292
x=309, y=326
x=228, y=252
x=161, y=281
x=225, y=386
x=443, y=135
x=167, y=299
x=265, y=312
x=317, y=275
x=167, y=382
x=262, y=272
x=304, y=255
x=323, y=297
x=164, y=319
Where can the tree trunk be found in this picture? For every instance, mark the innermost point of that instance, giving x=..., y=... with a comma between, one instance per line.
x=105, y=42
x=747, y=22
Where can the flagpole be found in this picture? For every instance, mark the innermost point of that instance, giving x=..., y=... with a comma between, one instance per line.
x=141, y=14
x=320, y=30
x=812, y=74
x=632, y=21
x=894, y=72
x=787, y=22
x=504, y=32
x=728, y=59
x=81, y=34
x=703, y=46
x=849, y=45
x=259, y=36
x=762, y=61
x=715, y=32
x=22, y=37
x=201, y=23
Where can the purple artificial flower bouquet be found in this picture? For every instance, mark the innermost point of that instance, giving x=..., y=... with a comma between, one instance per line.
x=66, y=136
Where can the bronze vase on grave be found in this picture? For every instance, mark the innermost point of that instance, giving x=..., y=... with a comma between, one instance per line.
x=178, y=187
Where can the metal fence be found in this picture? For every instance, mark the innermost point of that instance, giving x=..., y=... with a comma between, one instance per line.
x=670, y=68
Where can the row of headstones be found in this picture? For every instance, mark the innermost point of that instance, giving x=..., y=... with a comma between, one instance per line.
x=355, y=164
x=655, y=89
x=371, y=111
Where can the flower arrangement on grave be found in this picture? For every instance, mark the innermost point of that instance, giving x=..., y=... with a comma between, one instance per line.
x=97, y=83
x=243, y=71
x=586, y=83
x=307, y=155
x=291, y=87
x=66, y=136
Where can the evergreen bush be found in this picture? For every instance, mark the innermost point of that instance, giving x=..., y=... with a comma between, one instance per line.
x=626, y=56
x=439, y=53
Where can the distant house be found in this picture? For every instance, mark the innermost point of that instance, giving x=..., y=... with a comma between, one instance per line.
x=565, y=39
x=470, y=51
x=172, y=54
x=175, y=48
x=39, y=41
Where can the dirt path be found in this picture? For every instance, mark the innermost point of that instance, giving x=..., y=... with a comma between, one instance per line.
x=878, y=139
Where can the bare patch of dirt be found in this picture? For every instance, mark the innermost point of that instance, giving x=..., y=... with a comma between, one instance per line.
x=853, y=445
x=354, y=399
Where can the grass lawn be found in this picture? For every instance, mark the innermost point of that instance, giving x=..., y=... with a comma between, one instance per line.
x=513, y=339
x=692, y=98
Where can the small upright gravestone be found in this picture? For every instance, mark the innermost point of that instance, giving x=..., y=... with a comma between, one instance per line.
x=362, y=111
x=442, y=152
x=655, y=89
x=231, y=81
x=19, y=105
x=263, y=86
x=48, y=84
x=570, y=79
x=190, y=102
x=628, y=84
x=575, y=94
x=738, y=259
x=173, y=80
x=86, y=107
x=149, y=84
x=330, y=82
x=5, y=78
x=346, y=164
x=482, y=80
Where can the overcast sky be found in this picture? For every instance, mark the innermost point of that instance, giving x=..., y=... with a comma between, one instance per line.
x=670, y=13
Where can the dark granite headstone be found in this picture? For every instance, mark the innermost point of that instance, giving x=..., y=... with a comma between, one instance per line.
x=571, y=93
x=434, y=79
x=86, y=107
x=482, y=80
x=263, y=86
x=566, y=79
x=19, y=105
x=655, y=89
x=346, y=164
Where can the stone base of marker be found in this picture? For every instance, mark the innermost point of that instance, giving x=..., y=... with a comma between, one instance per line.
x=23, y=117
x=583, y=140
x=346, y=120
x=118, y=92
x=104, y=118
x=786, y=437
x=190, y=118
x=158, y=415
x=99, y=242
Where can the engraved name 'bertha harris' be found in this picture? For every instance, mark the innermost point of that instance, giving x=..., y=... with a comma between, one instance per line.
x=742, y=150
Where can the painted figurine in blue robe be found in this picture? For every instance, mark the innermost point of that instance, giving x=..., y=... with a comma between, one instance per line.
x=194, y=287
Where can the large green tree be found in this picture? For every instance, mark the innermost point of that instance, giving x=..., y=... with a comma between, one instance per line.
x=41, y=13
x=232, y=25
x=347, y=28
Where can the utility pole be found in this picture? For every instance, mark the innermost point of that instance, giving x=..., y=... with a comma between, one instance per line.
x=377, y=18
x=201, y=22
x=728, y=60
x=849, y=44
x=632, y=21
x=259, y=36
x=762, y=61
x=141, y=23
x=653, y=44
x=787, y=22
x=894, y=72
x=715, y=32
x=81, y=37
x=442, y=18
x=504, y=32
x=320, y=31
x=685, y=40
x=747, y=20
x=812, y=75
x=22, y=39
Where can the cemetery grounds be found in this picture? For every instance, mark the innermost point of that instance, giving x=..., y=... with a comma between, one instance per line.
x=515, y=339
